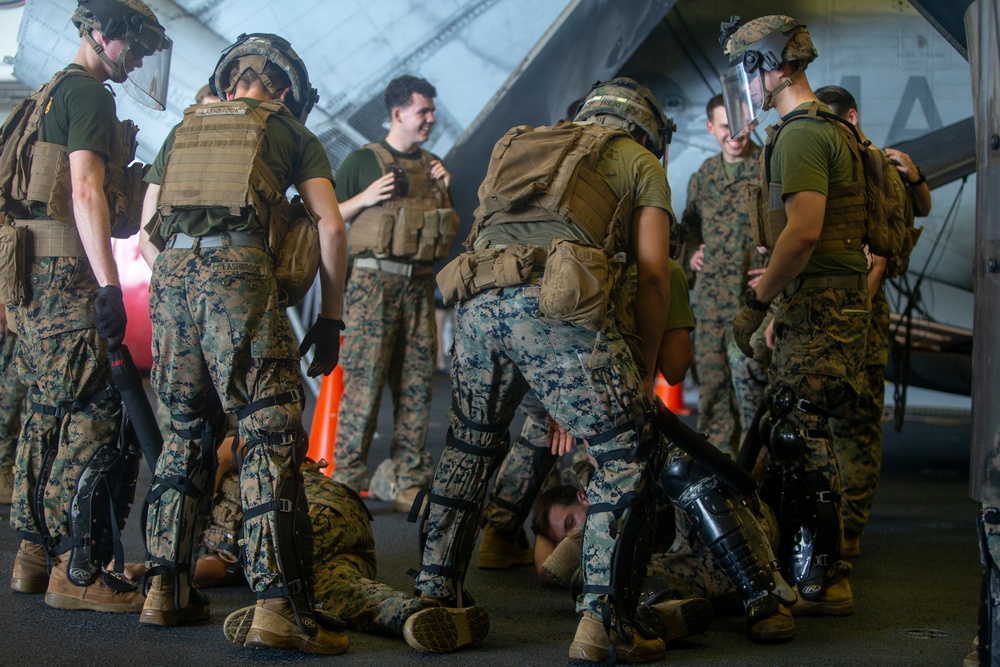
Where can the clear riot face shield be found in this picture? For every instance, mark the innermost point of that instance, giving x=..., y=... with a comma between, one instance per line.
x=146, y=62
x=743, y=93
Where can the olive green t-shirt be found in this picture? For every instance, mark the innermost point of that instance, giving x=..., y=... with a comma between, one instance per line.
x=294, y=155
x=80, y=116
x=812, y=155
x=625, y=166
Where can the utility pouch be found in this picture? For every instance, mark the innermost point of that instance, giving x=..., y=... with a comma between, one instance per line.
x=12, y=264
x=576, y=284
x=455, y=279
x=296, y=257
x=372, y=232
x=406, y=234
x=153, y=229
x=429, y=233
x=478, y=270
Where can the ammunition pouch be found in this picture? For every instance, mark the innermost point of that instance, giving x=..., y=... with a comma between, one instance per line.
x=486, y=268
x=411, y=232
x=576, y=285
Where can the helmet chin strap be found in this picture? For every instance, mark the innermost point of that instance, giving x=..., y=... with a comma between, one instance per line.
x=118, y=73
x=785, y=83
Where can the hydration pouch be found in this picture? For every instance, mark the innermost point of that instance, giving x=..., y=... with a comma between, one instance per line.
x=12, y=264
x=576, y=284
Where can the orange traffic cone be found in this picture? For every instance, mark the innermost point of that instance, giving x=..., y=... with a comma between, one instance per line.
x=323, y=434
x=672, y=395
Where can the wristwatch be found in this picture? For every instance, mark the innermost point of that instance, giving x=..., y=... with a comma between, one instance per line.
x=919, y=181
x=751, y=301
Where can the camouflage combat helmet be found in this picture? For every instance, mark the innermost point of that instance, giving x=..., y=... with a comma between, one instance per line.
x=253, y=51
x=143, y=65
x=629, y=104
x=114, y=18
x=768, y=41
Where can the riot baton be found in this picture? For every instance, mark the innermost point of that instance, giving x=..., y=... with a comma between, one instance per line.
x=127, y=381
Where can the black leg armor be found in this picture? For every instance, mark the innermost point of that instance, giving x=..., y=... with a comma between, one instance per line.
x=808, y=512
x=104, y=495
x=728, y=526
x=635, y=519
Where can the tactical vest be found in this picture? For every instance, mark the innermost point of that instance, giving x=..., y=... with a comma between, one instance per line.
x=845, y=218
x=418, y=226
x=544, y=175
x=548, y=173
x=216, y=162
x=34, y=170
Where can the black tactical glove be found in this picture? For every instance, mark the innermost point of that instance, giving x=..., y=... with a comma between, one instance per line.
x=748, y=320
x=325, y=335
x=110, y=319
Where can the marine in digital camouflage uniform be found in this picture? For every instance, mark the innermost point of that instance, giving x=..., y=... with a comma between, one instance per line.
x=586, y=378
x=389, y=302
x=857, y=438
x=820, y=301
x=73, y=192
x=525, y=471
x=344, y=559
x=222, y=342
x=718, y=229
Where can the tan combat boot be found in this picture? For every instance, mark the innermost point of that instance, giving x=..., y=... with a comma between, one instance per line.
x=403, y=501
x=31, y=571
x=443, y=630
x=497, y=553
x=564, y=562
x=591, y=643
x=676, y=619
x=778, y=626
x=98, y=596
x=274, y=626
x=837, y=600
x=159, y=606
